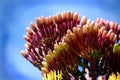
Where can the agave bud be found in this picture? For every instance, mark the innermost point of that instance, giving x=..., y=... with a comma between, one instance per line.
x=84, y=20
x=116, y=49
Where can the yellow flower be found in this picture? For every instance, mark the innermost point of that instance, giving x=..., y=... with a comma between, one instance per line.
x=53, y=75
x=114, y=76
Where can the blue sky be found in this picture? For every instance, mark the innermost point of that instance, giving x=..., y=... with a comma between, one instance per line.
x=16, y=15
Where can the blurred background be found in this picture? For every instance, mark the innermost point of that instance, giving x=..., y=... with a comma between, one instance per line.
x=16, y=15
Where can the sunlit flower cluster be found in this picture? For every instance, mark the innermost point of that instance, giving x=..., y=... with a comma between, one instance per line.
x=58, y=45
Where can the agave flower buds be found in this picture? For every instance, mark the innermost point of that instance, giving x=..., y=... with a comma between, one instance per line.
x=40, y=39
x=59, y=58
x=63, y=42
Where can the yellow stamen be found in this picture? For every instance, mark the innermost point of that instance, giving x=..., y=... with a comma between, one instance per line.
x=114, y=76
x=53, y=75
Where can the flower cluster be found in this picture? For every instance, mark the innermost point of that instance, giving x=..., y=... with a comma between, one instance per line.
x=64, y=43
x=47, y=31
